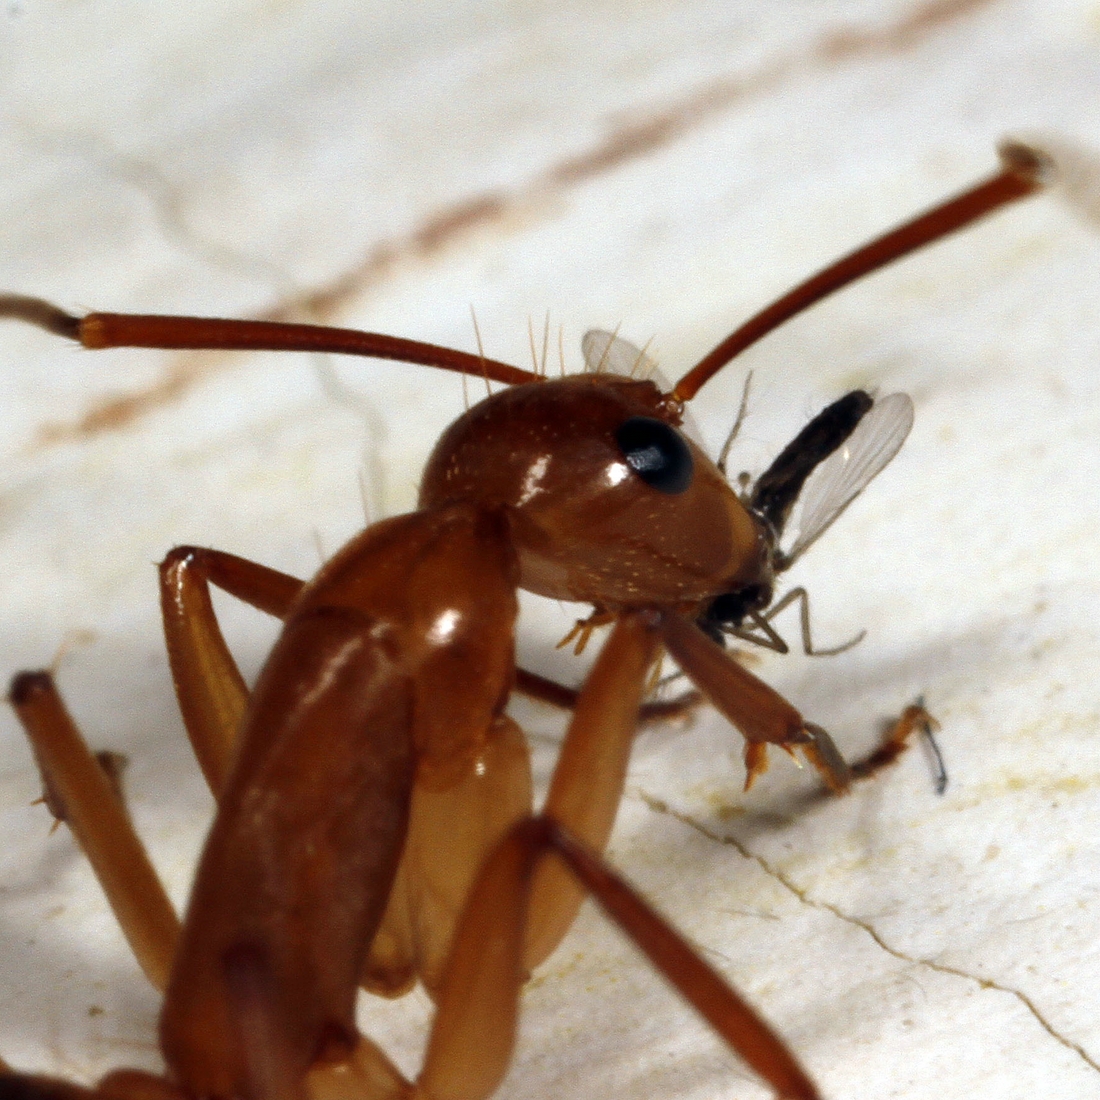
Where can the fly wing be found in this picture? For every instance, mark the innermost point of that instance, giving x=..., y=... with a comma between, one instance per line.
x=850, y=469
x=606, y=353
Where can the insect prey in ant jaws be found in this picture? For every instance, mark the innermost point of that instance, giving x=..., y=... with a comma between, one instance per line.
x=374, y=822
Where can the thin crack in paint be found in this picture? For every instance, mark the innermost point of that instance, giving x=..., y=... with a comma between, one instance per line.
x=659, y=806
x=167, y=204
x=169, y=209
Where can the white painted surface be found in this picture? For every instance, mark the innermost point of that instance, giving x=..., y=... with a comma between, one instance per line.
x=236, y=158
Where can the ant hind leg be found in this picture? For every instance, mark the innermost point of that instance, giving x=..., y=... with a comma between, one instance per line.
x=82, y=795
x=474, y=1030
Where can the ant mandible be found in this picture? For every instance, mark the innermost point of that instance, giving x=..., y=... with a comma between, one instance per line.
x=374, y=823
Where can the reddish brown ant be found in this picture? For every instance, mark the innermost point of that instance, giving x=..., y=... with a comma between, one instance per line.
x=374, y=808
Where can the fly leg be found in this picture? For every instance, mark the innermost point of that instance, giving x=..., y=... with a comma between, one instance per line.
x=803, y=597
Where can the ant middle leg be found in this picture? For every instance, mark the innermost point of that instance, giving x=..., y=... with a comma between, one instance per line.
x=554, y=694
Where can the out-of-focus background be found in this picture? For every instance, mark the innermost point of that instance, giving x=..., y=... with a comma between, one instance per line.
x=666, y=169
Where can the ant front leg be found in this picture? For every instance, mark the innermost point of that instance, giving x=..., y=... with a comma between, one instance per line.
x=764, y=717
x=209, y=686
x=761, y=714
x=898, y=734
x=454, y=825
x=587, y=785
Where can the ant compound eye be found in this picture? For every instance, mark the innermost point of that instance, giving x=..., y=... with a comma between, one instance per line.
x=656, y=453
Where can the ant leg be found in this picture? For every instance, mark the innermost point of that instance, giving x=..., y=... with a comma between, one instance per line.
x=99, y=822
x=365, y=1074
x=474, y=1030
x=548, y=691
x=19, y=1086
x=544, y=690
x=677, y=708
x=113, y=765
x=588, y=780
x=441, y=857
x=764, y=717
x=761, y=714
x=136, y=1084
x=897, y=739
x=119, y=1084
x=209, y=686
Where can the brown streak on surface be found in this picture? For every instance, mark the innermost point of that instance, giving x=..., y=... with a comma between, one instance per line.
x=445, y=226
x=115, y=413
x=903, y=35
x=439, y=229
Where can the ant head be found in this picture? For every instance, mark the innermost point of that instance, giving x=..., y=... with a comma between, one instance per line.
x=607, y=500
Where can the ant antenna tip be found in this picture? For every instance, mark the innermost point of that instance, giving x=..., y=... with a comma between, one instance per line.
x=1069, y=168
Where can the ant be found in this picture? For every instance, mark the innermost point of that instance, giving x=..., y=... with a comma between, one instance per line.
x=374, y=823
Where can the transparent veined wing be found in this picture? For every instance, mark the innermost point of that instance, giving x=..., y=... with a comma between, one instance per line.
x=606, y=353
x=850, y=469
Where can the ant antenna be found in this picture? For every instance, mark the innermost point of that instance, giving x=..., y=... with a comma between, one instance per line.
x=1024, y=170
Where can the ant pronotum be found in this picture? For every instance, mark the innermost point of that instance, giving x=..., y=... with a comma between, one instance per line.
x=374, y=822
